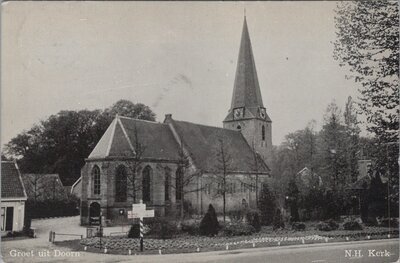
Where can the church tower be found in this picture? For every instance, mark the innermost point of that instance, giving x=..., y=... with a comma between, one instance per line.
x=247, y=112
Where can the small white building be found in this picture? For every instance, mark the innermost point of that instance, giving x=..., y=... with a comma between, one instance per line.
x=13, y=198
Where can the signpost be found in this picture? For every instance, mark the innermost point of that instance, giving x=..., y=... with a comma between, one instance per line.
x=139, y=211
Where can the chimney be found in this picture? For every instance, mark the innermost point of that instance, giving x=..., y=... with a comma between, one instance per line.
x=168, y=118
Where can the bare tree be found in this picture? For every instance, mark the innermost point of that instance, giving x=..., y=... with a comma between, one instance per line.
x=224, y=162
x=186, y=179
x=134, y=164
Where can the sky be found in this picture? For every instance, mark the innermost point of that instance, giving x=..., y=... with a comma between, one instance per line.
x=176, y=57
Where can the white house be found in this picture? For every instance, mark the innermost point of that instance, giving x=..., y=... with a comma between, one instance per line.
x=13, y=198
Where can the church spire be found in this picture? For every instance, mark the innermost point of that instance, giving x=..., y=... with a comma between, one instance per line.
x=246, y=91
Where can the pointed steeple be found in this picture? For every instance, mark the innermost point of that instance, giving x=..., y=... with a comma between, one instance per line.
x=246, y=91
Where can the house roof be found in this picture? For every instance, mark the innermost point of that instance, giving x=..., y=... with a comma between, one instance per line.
x=203, y=142
x=120, y=139
x=11, y=182
x=44, y=186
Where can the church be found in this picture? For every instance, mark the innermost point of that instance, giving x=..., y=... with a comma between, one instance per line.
x=178, y=164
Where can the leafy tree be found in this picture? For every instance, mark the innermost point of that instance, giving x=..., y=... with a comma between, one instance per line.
x=60, y=143
x=332, y=148
x=292, y=197
x=368, y=43
x=353, y=139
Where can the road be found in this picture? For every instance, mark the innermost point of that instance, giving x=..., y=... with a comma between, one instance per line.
x=315, y=253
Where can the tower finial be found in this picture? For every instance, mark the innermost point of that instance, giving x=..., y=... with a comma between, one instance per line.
x=244, y=12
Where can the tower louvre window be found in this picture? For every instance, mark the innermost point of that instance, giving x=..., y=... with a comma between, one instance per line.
x=263, y=133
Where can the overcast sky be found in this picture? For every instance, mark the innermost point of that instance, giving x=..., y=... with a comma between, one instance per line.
x=176, y=57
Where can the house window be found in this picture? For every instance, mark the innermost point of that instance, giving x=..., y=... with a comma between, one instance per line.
x=3, y=218
x=166, y=183
x=120, y=184
x=146, y=182
x=96, y=180
x=263, y=133
x=179, y=184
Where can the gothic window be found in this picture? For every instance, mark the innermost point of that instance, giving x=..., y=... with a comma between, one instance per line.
x=167, y=183
x=178, y=184
x=146, y=182
x=120, y=184
x=96, y=180
x=239, y=127
x=263, y=133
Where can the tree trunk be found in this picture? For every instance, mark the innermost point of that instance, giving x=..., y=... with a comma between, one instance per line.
x=224, y=206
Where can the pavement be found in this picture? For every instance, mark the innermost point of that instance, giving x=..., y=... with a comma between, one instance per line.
x=40, y=250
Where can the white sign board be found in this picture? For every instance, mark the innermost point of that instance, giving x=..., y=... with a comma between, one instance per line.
x=139, y=211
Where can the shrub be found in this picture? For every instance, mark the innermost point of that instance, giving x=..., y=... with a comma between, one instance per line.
x=253, y=219
x=393, y=222
x=238, y=229
x=298, y=226
x=192, y=228
x=352, y=225
x=235, y=215
x=209, y=225
x=278, y=220
x=328, y=225
x=162, y=228
x=134, y=231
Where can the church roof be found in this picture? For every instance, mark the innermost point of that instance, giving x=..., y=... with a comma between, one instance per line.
x=161, y=142
x=120, y=138
x=246, y=91
x=11, y=182
x=203, y=143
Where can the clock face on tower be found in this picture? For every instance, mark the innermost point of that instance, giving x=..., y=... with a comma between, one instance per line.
x=238, y=113
x=262, y=113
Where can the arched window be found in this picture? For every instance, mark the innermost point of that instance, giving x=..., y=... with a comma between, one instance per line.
x=179, y=184
x=263, y=133
x=239, y=127
x=120, y=184
x=96, y=180
x=146, y=182
x=167, y=183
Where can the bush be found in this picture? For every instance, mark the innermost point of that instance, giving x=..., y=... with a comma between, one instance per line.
x=134, y=231
x=209, y=225
x=332, y=223
x=253, y=219
x=352, y=225
x=163, y=228
x=235, y=215
x=192, y=228
x=278, y=220
x=393, y=222
x=298, y=226
x=328, y=225
x=238, y=229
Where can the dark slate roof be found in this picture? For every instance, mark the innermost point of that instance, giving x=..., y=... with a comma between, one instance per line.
x=203, y=142
x=46, y=186
x=11, y=182
x=119, y=140
x=246, y=91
